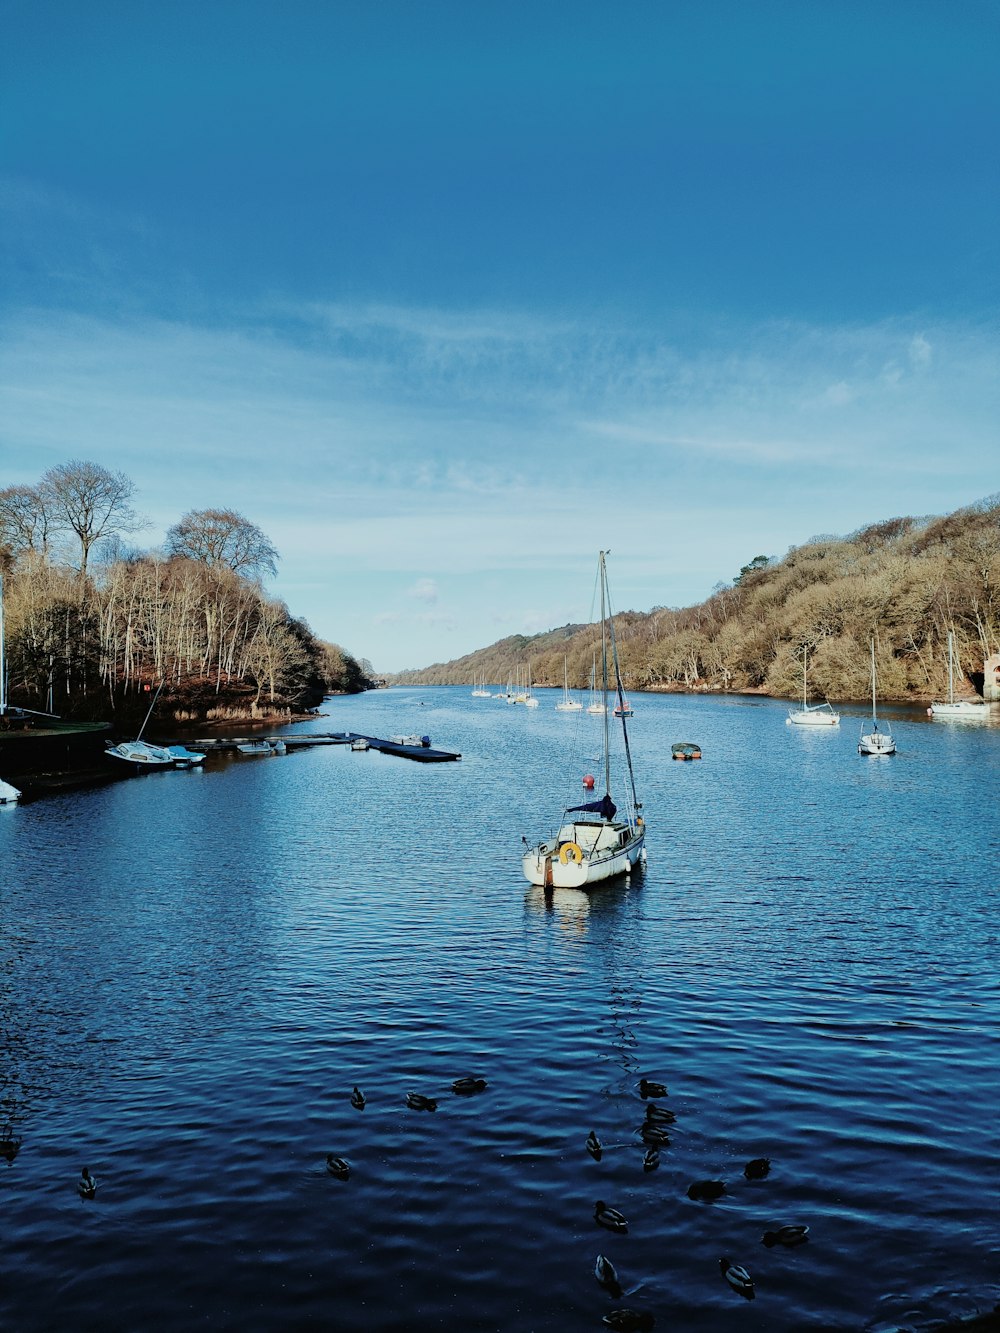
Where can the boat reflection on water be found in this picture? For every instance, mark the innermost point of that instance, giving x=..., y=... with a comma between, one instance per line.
x=570, y=906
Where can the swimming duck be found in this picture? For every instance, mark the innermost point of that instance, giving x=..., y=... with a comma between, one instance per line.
x=655, y=1135
x=651, y=1160
x=416, y=1101
x=609, y=1217
x=659, y=1115
x=737, y=1277
x=338, y=1166
x=87, y=1184
x=358, y=1099
x=594, y=1145
x=630, y=1321
x=757, y=1168
x=706, y=1191
x=466, y=1087
x=790, y=1235
x=607, y=1276
x=647, y=1088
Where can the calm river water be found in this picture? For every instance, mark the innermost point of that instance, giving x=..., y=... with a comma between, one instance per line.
x=196, y=968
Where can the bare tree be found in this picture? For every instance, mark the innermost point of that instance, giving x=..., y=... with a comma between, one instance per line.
x=90, y=501
x=26, y=520
x=223, y=537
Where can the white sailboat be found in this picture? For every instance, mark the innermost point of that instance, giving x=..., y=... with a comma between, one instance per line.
x=529, y=699
x=598, y=703
x=811, y=715
x=594, y=842
x=967, y=708
x=568, y=704
x=480, y=691
x=874, y=741
x=140, y=752
x=9, y=795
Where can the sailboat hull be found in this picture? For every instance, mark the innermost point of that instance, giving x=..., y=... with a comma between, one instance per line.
x=813, y=717
x=960, y=708
x=876, y=742
x=584, y=854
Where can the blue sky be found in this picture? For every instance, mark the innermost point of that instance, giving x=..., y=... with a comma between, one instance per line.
x=447, y=296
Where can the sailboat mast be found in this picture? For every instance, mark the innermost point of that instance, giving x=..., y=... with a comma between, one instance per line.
x=3, y=660
x=805, y=656
x=873, y=680
x=604, y=675
x=951, y=671
x=150, y=711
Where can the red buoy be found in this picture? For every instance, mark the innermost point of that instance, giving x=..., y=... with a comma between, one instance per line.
x=588, y=782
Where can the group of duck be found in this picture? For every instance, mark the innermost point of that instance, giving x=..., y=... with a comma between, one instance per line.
x=340, y=1167
x=467, y=1086
x=653, y=1132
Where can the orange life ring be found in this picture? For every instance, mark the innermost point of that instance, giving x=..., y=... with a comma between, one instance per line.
x=571, y=851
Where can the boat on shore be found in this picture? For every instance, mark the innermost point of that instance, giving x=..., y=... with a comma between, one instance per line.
x=594, y=841
x=141, y=753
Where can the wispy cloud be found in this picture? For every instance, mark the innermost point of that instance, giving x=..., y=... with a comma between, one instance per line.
x=503, y=446
x=424, y=590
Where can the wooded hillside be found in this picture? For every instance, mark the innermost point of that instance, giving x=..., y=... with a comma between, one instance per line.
x=905, y=582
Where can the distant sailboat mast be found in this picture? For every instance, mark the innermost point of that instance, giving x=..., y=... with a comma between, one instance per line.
x=3, y=660
x=604, y=681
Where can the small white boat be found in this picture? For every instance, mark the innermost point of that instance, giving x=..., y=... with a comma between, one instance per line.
x=598, y=704
x=567, y=703
x=359, y=743
x=874, y=741
x=423, y=741
x=141, y=753
x=599, y=843
x=811, y=715
x=185, y=758
x=261, y=746
x=8, y=795
x=480, y=691
x=977, y=709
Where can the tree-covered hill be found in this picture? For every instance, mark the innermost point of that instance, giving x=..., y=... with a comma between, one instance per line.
x=91, y=623
x=906, y=582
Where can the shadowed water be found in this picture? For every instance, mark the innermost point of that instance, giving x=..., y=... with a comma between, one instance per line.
x=197, y=967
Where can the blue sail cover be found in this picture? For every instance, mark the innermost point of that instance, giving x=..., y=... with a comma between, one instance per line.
x=605, y=807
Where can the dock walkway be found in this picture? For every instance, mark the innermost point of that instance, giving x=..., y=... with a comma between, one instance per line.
x=424, y=754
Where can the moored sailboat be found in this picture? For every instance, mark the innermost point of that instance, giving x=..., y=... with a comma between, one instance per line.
x=811, y=715
x=874, y=741
x=960, y=708
x=568, y=704
x=595, y=841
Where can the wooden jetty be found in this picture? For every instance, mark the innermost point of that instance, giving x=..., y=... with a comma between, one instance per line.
x=424, y=754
